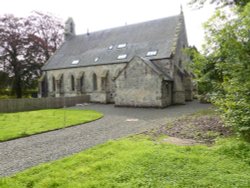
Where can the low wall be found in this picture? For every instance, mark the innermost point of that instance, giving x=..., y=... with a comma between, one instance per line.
x=18, y=105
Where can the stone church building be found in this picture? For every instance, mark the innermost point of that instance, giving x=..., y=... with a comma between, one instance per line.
x=140, y=65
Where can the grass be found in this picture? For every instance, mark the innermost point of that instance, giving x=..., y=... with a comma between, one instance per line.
x=144, y=161
x=16, y=125
x=141, y=162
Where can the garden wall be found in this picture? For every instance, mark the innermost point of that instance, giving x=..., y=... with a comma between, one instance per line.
x=17, y=105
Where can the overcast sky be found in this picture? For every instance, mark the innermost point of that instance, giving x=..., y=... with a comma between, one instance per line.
x=101, y=14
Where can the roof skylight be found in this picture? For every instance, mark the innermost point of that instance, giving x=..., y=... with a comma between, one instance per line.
x=122, y=56
x=152, y=53
x=96, y=59
x=75, y=62
x=123, y=45
x=110, y=47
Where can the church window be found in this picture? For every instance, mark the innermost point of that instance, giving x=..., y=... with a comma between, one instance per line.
x=53, y=84
x=104, y=83
x=123, y=45
x=72, y=83
x=151, y=53
x=81, y=83
x=75, y=62
x=122, y=56
x=94, y=82
x=61, y=85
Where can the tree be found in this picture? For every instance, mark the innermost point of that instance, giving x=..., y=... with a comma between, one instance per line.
x=220, y=3
x=204, y=72
x=27, y=44
x=4, y=80
x=226, y=64
x=46, y=33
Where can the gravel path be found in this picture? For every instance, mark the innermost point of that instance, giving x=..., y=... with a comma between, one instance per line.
x=19, y=154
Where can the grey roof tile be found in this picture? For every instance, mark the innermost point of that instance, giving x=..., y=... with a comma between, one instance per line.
x=140, y=38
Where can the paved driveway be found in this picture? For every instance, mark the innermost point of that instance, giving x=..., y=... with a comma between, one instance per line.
x=19, y=154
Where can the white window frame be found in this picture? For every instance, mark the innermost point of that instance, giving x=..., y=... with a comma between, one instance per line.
x=152, y=53
x=75, y=62
x=122, y=45
x=96, y=59
x=122, y=56
x=111, y=47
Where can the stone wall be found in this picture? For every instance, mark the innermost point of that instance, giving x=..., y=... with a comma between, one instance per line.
x=103, y=92
x=139, y=86
x=180, y=61
x=178, y=88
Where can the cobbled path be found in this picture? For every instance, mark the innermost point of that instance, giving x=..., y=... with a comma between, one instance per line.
x=17, y=155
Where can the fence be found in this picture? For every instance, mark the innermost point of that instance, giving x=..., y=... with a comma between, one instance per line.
x=17, y=105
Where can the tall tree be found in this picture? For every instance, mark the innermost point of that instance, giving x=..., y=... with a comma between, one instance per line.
x=226, y=65
x=27, y=43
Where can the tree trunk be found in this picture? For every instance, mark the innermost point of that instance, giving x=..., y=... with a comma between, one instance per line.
x=17, y=86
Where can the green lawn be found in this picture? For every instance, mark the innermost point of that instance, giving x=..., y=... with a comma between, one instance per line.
x=15, y=125
x=141, y=162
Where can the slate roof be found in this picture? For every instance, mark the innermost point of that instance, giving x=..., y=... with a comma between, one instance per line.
x=139, y=38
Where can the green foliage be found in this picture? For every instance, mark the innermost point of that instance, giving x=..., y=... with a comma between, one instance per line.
x=15, y=125
x=219, y=3
x=26, y=44
x=8, y=94
x=5, y=81
x=200, y=67
x=141, y=162
x=206, y=76
x=224, y=70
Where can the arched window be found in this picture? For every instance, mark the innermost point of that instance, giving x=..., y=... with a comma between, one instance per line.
x=72, y=83
x=94, y=82
x=82, y=83
x=104, y=83
x=104, y=80
x=61, y=86
x=53, y=84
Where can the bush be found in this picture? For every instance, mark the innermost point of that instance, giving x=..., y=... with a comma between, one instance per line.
x=224, y=69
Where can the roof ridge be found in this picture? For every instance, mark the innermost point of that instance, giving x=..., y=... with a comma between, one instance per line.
x=129, y=25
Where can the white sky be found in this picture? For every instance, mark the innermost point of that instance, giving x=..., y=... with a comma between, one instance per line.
x=101, y=14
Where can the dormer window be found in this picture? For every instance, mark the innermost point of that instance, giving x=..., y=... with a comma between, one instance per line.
x=75, y=62
x=122, y=56
x=151, y=53
x=123, y=45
